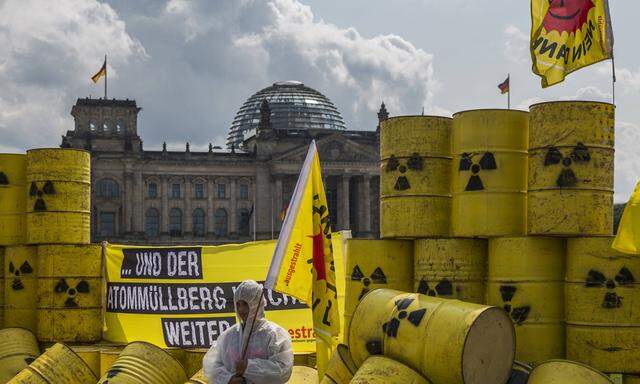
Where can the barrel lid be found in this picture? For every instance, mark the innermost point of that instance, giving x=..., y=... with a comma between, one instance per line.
x=427, y=116
x=479, y=110
x=573, y=363
x=572, y=102
x=57, y=149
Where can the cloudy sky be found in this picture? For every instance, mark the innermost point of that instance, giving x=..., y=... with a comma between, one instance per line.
x=191, y=64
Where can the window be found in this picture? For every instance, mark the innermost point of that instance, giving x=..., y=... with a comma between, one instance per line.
x=107, y=223
x=108, y=188
x=244, y=217
x=105, y=127
x=175, y=191
x=198, y=222
x=152, y=190
x=152, y=222
x=222, y=191
x=220, y=221
x=244, y=192
x=199, y=191
x=175, y=222
x=92, y=126
x=119, y=127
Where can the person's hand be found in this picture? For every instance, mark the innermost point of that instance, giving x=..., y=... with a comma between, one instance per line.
x=241, y=366
x=236, y=380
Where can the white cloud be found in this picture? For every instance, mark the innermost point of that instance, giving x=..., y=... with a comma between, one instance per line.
x=516, y=46
x=47, y=51
x=626, y=160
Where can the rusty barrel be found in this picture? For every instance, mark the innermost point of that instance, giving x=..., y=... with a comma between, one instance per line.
x=382, y=370
x=91, y=356
x=571, y=168
x=602, y=305
x=193, y=360
x=18, y=348
x=372, y=264
x=12, y=198
x=20, y=287
x=69, y=305
x=59, y=196
x=341, y=367
x=565, y=371
x=415, y=161
x=57, y=365
x=141, y=363
x=108, y=356
x=489, y=173
x=526, y=278
x=445, y=340
x=451, y=268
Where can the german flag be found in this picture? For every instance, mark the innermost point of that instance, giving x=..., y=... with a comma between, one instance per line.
x=504, y=86
x=101, y=72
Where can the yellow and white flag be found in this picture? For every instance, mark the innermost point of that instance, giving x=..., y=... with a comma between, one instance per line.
x=302, y=265
x=628, y=237
x=567, y=35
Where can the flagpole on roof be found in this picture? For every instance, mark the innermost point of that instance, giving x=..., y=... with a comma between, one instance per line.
x=105, y=76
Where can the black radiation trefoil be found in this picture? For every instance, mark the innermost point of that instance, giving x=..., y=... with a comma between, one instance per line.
x=443, y=288
x=567, y=178
x=414, y=163
x=25, y=268
x=487, y=162
x=596, y=279
x=517, y=314
x=377, y=277
x=391, y=327
x=72, y=292
x=34, y=191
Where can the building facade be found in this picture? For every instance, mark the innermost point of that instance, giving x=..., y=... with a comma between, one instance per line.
x=233, y=195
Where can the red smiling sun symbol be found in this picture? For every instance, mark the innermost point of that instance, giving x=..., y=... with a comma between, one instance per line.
x=567, y=15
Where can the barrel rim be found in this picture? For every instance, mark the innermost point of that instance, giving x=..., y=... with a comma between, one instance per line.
x=155, y=346
x=515, y=111
x=574, y=363
x=571, y=102
x=57, y=149
x=413, y=116
x=68, y=348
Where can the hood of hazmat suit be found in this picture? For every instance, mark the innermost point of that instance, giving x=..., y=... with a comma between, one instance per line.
x=269, y=355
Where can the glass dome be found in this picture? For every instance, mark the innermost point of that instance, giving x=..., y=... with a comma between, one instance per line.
x=293, y=106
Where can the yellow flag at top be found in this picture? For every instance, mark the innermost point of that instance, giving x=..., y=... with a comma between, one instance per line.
x=567, y=35
x=628, y=237
x=302, y=265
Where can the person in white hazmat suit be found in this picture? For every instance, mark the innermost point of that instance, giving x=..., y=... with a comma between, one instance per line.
x=269, y=358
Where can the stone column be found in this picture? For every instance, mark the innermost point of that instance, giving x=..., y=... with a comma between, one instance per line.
x=138, y=202
x=188, y=218
x=365, y=214
x=210, y=212
x=233, y=209
x=343, y=202
x=164, y=213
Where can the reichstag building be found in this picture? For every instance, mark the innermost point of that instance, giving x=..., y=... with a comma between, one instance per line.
x=235, y=194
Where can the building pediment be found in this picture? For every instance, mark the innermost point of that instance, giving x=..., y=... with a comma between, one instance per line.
x=334, y=148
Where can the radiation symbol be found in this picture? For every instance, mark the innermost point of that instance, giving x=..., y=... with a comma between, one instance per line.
x=517, y=314
x=443, y=288
x=487, y=162
x=414, y=318
x=567, y=15
x=377, y=277
x=72, y=292
x=414, y=163
x=567, y=178
x=4, y=180
x=34, y=191
x=596, y=279
x=25, y=268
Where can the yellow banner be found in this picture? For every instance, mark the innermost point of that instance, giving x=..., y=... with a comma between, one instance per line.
x=183, y=296
x=567, y=35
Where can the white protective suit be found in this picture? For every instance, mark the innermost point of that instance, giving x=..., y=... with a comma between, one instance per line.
x=269, y=354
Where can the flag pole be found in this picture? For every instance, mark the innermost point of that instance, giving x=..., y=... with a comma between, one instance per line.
x=105, y=77
x=613, y=82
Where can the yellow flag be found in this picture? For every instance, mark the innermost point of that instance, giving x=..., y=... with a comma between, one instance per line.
x=302, y=265
x=567, y=35
x=628, y=237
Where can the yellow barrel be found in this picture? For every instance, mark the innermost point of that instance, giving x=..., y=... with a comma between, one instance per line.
x=566, y=372
x=308, y=359
x=69, y=293
x=91, y=356
x=602, y=305
x=341, y=367
x=59, y=196
x=57, y=365
x=445, y=340
x=489, y=173
x=2, y=288
x=373, y=264
x=108, y=356
x=631, y=379
x=451, y=268
x=193, y=360
x=20, y=287
x=178, y=354
x=415, y=157
x=12, y=198
x=526, y=278
x=141, y=363
x=571, y=168
x=18, y=348
x=381, y=370
x=303, y=375
x=198, y=378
